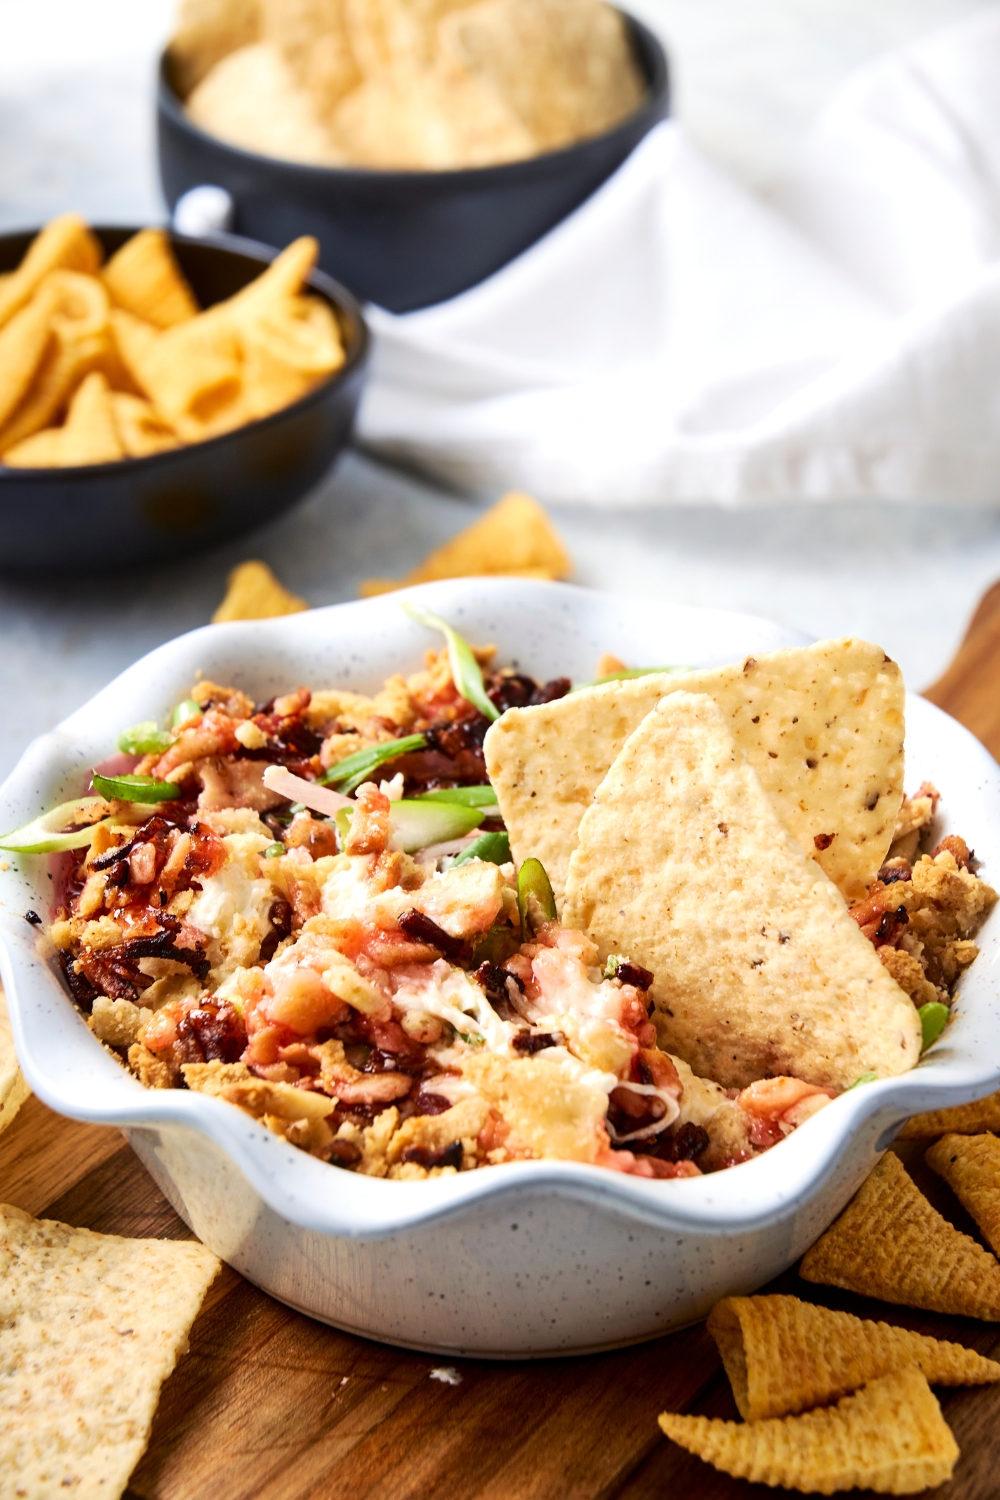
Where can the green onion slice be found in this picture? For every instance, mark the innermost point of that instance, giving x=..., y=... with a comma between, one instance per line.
x=494, y=848
x=184, y=711
x=136, y=788
x=43, y=835
x=865, y=1078
x=275, y=850
x=465, y=672
x=933, y=1019
x=534, y=895
x=416, y=825
x=145, y=739
x=466, y=796
x=495, y=946
x=348, y=774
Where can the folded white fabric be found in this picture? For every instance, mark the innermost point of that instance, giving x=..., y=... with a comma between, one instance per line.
x=677, y=341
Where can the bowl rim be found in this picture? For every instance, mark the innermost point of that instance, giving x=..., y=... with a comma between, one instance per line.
x=758, y=1192
x=655, y=104
x=332, y=290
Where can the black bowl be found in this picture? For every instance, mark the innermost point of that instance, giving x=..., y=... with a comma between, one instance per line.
x=170, y=504
x=405, y=239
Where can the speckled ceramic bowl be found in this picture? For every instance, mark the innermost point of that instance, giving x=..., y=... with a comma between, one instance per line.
x=533, y=1258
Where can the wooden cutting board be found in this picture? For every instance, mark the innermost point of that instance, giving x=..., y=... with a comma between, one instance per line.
x=271, y=1405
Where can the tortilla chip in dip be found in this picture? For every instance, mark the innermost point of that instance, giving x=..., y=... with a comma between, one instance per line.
x=821, y=725
x=91, y=1325
x=889, y=1437
x=891, y=1244
x=970, y=1165
x=759, y=970
x=783, y=1355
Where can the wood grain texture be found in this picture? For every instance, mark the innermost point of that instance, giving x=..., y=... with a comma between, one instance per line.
x=269, y=1405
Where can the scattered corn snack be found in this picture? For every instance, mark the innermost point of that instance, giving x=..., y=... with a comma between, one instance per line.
x=891, y=1244
x=253, y=593
x=970, y=1165
x=415, y=84
x=889, y=1437
x=13, y=1088
x=963, y=1119
x=783, y=1355
x=90, y=1327
x=99, y=364
x=514, y=539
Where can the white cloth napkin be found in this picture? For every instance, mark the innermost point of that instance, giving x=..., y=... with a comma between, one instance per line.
x=678, y=341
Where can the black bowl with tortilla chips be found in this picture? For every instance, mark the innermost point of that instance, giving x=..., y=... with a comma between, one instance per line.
x=406, y=239
x=169, y=504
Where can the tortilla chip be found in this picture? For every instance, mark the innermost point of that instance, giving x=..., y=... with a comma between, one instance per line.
x=287, y=349
x=64, y=244
x=962, y=1119
x=889, y=1437
x=514, y=539
x=891, y=1244
x=57, y=377
x=90, y=1327
x=758, y=968
x=970, y=1165
x=23, y=343
x=253, y=100
x=206, y=31
x=822, y=726
x=783, y=1355
x=253, y=593
x=144, y=278
x=141, y=430
x=88, y=436
x=13, y=1087
x=564, y=66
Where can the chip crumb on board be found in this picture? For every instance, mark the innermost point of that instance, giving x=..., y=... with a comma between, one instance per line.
x=515, y=538
x=891, y=1244
x=783, y=1355
x=447, y=1374
x=253, y=593
x=91, y=1325
x=889, y=1437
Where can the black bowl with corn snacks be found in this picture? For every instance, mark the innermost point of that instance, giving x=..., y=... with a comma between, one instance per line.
x=160, y=394
x=425, y=146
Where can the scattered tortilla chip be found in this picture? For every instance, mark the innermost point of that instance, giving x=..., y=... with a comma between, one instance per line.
x=970, y=1165
x=91, y=1325
x=783, y=1355
x=822, y=726
x=514, y=539
x=564, y=66
x=252, y=99
x=891, y=1244
x=13, y=1087
x=889, y=1437
x=64, y=244
x=88, y=436
x=253, y=593
x=759, y=970
x=963, y=1119
x=144, y=278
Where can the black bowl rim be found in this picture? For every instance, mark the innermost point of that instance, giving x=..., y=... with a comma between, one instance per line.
x=342, y=299
x=655, y=103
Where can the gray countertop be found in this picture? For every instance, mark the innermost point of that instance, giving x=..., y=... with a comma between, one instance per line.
x=75, y=131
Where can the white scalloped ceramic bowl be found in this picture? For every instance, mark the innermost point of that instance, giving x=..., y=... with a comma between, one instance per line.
x=534, y=1258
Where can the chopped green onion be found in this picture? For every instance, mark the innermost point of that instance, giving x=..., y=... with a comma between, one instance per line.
x=275, y=850
x=348, y=774
x=534, y=895
x=467, y=796
x=467, y=677
x=495, y=946
x=494, y=848
x=43, y=835
x=417, y=824
x=865, y=1078
x=933, y=1019
x=136, y=788
x=145, y=739
x=470, y=1038
x=626, y=675
x=189, y=709
x=611, y=967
